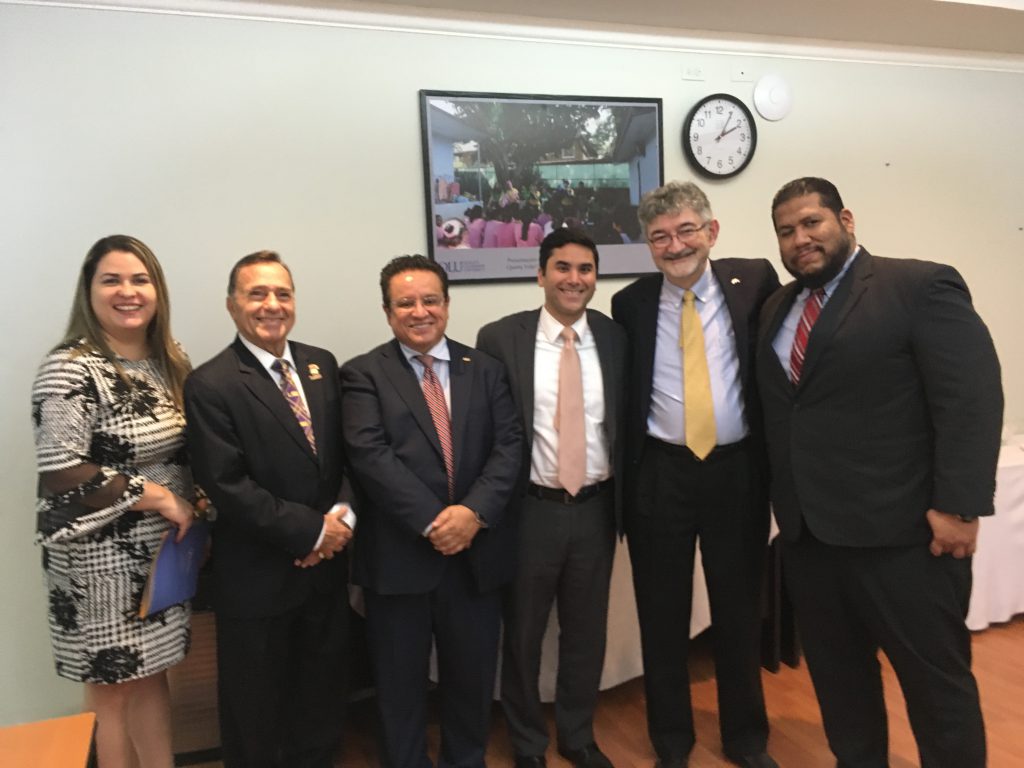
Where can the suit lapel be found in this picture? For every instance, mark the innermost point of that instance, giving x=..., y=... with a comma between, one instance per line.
x=845, y=298
x=311, y=376
x=403, y=379
x=734, y=292
x=462, y=374
x=524, y=349
x=645, y=340
x=771, y=329
x=266, y=391
x=606, y=357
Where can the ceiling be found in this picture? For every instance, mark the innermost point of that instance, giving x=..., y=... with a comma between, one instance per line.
x=934, y=24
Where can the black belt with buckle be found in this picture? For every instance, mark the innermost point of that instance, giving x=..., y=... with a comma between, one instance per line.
x=562, y=496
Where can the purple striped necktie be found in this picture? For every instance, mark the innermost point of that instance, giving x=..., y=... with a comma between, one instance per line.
x=812, y=309
x=438, y=407
x=291, y=394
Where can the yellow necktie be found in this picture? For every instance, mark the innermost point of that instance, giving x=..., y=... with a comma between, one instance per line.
x=698, y=408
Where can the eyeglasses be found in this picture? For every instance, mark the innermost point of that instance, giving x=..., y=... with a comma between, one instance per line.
x=684, y=235
x=407, y=304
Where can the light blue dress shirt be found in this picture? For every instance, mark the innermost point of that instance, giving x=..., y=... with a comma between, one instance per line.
x=666, y=420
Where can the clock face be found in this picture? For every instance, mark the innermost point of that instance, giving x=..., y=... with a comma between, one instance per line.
x=719, y=136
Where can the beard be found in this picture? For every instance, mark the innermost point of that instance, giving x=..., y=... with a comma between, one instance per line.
x=835, y=258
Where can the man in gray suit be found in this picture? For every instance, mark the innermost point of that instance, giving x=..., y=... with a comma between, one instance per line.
x=569, y=508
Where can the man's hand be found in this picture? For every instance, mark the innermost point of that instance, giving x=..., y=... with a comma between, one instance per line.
x=952, y=535
x=313, y=558
x=336, y=533
x=453, y=529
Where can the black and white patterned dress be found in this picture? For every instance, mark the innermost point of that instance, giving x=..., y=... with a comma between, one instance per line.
x=102, y=439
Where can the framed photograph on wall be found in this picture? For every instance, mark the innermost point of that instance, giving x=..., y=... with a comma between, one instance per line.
x=502, y=170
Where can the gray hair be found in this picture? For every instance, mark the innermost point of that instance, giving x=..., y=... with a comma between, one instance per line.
x=673, y=198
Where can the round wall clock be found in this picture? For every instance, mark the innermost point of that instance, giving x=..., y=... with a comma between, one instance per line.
x=719, y=136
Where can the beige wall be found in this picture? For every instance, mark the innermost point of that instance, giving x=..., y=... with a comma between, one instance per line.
x=210, y=138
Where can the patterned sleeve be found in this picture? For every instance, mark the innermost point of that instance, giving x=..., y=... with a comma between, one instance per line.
x=76, y=495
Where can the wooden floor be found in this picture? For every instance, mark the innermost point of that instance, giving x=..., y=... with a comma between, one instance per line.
x=797, y=740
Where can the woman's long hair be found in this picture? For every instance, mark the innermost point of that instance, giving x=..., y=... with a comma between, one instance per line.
x=82, y=324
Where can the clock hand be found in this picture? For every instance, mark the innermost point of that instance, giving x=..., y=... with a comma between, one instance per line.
x=727, y=121
x=726, y=133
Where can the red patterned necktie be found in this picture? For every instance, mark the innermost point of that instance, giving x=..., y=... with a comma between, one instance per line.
x=291, y=394
x=812, y=309
x=572, y=441
x=438, y=407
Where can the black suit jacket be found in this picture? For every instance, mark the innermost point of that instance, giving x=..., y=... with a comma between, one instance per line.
x=513, y=340
x=399, y=473
x=746, y=283
x=270, y=490
x=898, y=409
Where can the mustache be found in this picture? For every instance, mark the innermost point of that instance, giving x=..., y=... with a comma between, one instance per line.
x=680, y=254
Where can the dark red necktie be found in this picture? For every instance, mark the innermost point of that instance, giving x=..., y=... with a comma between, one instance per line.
x=438, y=407
x=812, y=309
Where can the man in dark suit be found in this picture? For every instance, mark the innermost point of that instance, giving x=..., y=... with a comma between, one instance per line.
x=265, y=443
x=883, y=409
x=695, y=468
x=434, y=444
x=567, y=523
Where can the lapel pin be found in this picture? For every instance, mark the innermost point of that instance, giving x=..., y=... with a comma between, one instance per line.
x=466, y=360
x=735, y=281
x=314, y=372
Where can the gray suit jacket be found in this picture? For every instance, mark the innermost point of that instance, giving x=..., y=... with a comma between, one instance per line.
x=512, y=340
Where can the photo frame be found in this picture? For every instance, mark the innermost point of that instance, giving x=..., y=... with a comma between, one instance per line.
x=501, y=170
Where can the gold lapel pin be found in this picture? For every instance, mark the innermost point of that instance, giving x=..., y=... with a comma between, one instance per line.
x=466, y=360
x=314, y=372
x=735, y=281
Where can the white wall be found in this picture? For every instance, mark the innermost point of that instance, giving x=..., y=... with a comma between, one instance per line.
x=210, y=138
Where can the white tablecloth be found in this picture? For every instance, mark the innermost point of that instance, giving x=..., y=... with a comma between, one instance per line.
x=998, y=593
x=622, y=660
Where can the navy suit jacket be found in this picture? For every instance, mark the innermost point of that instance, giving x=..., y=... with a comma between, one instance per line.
x=898, y=409
x=746, y=283
x=270, y=490
x=399, y=473
x=513, y=340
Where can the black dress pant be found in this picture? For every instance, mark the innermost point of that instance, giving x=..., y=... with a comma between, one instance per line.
x=721, y=501
x=852, y=601
x=464, y=623
x=282, y=684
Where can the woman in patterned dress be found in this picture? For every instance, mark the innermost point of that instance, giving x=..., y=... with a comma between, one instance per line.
x=113, y=478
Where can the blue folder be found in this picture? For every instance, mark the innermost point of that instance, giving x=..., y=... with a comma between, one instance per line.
x=175, y=571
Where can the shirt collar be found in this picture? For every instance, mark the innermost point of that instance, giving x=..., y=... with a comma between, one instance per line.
x=701, y=289
x=439, y=351
x=832, y=284
x=552, y=328
x=265, y=358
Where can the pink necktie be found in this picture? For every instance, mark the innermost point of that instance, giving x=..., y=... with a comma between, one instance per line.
x=291, y=394
x=438, y=407
x=812, y=309
x=572, y=442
